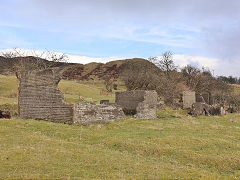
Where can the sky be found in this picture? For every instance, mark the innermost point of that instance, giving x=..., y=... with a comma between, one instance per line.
x=199, y=32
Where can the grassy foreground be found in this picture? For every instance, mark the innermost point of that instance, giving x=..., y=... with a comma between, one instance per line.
x=172, y=146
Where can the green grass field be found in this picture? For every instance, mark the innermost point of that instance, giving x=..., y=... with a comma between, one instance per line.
x=174, y=146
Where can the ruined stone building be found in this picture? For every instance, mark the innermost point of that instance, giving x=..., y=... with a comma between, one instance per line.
x=141, y=103
x=39, y=98
x=188, y=98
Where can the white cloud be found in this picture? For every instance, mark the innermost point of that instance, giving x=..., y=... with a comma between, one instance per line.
x=217, y=66
x=183, y=60
x=71, y=58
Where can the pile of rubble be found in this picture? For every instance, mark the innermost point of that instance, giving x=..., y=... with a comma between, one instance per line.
x=5, y=115
x=200, y=104
x=200, y=108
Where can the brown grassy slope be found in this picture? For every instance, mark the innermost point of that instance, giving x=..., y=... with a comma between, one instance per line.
x=96, y=70
x=8, y=65
x=73, y=71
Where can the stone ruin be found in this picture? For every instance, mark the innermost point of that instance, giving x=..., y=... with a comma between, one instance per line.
x=142, y=104
x=200, y=104
x=188, y=99
x=200, y=108
x=87, y=113
x=39, y=98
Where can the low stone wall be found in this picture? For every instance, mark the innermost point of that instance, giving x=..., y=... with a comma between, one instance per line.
x=39, y=98
x=146, y=111
x=87, y=113
x=142, y=104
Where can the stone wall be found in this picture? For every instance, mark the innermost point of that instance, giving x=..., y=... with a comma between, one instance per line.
x=39, y=98
x=189, y=98
x=146, y=111
x=139, y=102
x=87, y=113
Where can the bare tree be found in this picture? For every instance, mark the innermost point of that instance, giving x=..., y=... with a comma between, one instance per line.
x=37, y=60
x=165, y=62
x=191, y=75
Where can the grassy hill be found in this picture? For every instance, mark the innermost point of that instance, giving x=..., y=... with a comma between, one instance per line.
x=174, y=145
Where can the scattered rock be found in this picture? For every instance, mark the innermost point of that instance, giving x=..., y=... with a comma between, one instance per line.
x=200, y=108
x=5, y=115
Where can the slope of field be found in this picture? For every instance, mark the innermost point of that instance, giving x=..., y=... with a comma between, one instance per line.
x=173, y=146
x=8, y=89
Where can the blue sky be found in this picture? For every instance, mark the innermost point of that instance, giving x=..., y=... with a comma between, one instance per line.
x=127, y=28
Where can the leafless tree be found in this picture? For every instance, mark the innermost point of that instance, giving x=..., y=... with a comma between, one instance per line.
x=37, y=60
x=165, y=62
x=192, y=76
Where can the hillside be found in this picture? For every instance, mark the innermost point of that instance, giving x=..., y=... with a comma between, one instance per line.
x=72, y=71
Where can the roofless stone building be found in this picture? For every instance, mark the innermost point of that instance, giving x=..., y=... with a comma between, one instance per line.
x=39, y=98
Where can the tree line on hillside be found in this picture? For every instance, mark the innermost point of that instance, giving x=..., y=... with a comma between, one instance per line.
x=162, y=75
x=230, y=79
